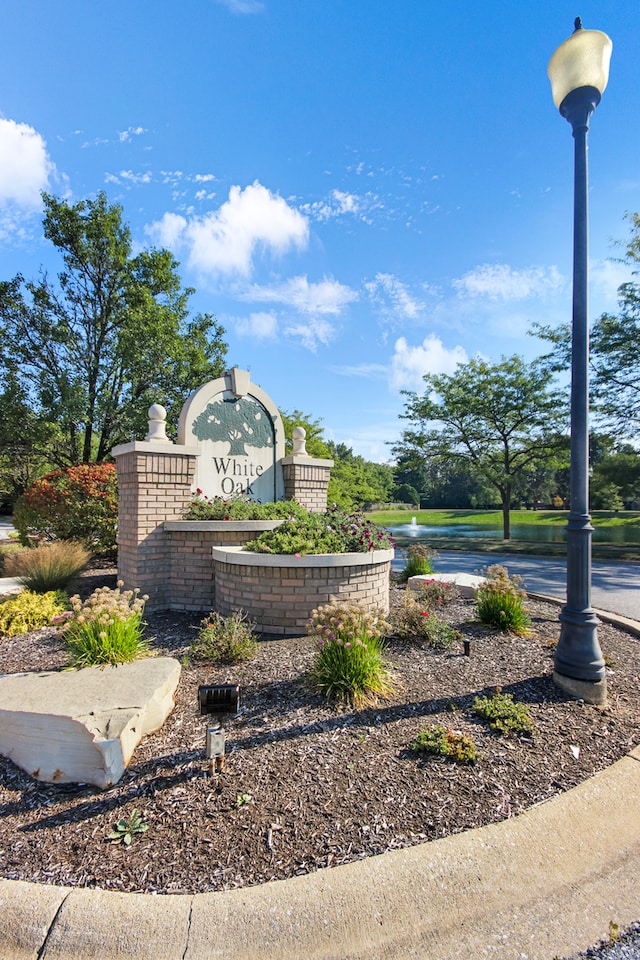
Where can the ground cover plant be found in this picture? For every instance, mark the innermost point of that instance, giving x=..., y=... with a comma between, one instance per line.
x=333, y=531
x=503, y=714
x=446, y=742
x=107, y=628
x=50, y=566
x=311, y=782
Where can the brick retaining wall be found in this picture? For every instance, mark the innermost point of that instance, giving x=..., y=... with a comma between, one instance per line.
x=279, y=593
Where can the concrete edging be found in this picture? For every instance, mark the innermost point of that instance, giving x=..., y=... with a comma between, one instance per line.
x=545, y=883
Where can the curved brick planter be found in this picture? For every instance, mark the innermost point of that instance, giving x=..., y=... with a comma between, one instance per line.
x=279, y=592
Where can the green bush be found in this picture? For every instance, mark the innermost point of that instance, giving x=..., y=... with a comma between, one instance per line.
x=225, y=639
x=106, y=629
x=331, y=532
x=420, y=560
x=449, y=743
x=349, y=664
x=51, y=566
x=29, y=611
x=239, y=508
x=78, y=503
x=500, y=602
x=503, y=714
x=412, y=622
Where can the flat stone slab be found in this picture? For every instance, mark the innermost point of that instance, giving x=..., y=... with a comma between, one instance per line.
x=82, y=726
x=467, y=583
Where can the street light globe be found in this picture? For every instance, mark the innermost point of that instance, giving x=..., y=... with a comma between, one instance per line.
x=581, y=61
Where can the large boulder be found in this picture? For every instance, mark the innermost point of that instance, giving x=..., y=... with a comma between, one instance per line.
x=82, y=726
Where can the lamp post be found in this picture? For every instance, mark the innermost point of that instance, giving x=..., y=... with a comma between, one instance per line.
x=579, y=70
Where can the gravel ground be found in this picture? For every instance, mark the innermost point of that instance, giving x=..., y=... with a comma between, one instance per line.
x=308, y=784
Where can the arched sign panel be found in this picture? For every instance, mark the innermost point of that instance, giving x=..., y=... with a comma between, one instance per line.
x=241, y=439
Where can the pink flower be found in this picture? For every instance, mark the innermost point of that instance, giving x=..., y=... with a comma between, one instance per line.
x=298, y=554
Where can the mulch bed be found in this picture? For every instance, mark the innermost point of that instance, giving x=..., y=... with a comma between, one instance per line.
x=307, y=784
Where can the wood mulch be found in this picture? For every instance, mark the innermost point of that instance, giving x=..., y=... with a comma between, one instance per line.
x=307, y=784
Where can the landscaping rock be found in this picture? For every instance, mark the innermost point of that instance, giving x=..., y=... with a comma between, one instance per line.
x=82, y=726
x=467, y=583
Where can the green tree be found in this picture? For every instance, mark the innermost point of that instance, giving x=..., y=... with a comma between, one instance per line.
x=354, y=482
x=112, y=335
x=614, y=350
x=499, y=420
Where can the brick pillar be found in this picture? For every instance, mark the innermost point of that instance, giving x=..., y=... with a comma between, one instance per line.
x=306, y=480
x=154, y=485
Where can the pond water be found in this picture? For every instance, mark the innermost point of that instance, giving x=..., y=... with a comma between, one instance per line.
x=538, y=533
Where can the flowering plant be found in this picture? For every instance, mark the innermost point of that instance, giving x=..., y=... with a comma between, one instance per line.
x=107, y=628
x=349, y=664
x=239, y=508
x=414, y=621
x=331, y=532
x=500, y=602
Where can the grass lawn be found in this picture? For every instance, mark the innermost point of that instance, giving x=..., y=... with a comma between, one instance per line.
x=493, y=518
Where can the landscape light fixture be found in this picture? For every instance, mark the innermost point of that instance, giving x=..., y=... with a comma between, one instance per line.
x=579, y=70
x=217, y=699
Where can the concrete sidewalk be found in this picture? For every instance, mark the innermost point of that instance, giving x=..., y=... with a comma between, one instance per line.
x=542, y=885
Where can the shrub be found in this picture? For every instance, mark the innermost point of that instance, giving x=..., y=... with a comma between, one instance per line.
x=331, y=532
x=349, y=664
x=500, y=602
x=78, y=503
x=411, y=621
x=51, y=566
x=449, y=743
x=240, y=508
x=420, y=560
x=29, y=611
x=225, y=639
x=107, y=628
x=436, y=594
x=503, y=714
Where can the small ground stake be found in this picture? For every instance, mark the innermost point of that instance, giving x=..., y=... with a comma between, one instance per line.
x=467, y=647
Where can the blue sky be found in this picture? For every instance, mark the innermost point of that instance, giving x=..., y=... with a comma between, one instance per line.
x=362, y=191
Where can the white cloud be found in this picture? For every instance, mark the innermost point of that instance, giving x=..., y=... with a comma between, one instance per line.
x=129, y=177
x=328, y=297
x=169, y=231
x=25, y=166
x=225, y=241
x=409, y=364
x=393, y=297
x=341, y=204
x=258, y=326
x=125, y=135
x=501, y=282
x=605, y=277
x=315, y=331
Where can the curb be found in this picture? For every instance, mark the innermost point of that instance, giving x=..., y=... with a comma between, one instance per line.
x=544, y=884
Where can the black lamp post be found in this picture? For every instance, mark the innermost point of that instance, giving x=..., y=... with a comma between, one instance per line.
x=579, y=70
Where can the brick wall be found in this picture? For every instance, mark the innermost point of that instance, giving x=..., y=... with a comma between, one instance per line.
x=279, y=599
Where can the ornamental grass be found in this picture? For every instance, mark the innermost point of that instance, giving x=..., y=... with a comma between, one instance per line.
x=106, y=629
x=500, y=602
x=51, y=566
x=349, y=664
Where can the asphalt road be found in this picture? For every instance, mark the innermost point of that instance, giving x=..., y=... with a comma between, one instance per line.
x=615, y=587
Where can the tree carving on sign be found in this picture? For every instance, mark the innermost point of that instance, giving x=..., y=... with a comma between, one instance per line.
x=240, y=421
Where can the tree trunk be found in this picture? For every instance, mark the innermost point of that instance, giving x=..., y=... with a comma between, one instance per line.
x=506, y=518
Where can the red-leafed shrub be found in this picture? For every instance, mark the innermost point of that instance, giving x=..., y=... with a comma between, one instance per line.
x=77, y=503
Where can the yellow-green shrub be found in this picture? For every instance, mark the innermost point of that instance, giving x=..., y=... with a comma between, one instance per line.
x=28, y=611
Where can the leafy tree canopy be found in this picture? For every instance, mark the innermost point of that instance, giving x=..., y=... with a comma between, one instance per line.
x=614, y=350
x=501, y=420
x=111, y=335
